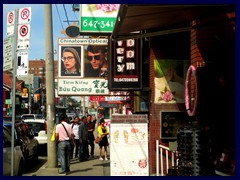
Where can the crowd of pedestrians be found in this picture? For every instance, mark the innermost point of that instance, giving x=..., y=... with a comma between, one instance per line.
x=76, y=140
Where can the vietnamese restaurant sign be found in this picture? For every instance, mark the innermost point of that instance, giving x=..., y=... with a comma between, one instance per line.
x=70, y=87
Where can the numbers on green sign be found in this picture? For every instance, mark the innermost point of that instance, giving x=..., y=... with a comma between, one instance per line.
x=108, y=24
x=98, y=24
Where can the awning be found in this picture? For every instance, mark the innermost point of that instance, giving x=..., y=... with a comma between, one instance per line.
x=156, y=19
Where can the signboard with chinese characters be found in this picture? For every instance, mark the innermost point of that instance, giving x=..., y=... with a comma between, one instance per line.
x=82, y=87
x=130, y=132
x=125, y=67
x=98, y=18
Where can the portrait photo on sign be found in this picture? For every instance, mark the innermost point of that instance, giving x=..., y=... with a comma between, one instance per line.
x=70, y=61
x=96, y=64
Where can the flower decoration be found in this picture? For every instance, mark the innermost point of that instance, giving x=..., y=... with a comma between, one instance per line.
x=166, y=95
x=107, y=7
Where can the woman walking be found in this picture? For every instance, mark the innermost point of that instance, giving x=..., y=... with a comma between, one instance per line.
x=102, y=133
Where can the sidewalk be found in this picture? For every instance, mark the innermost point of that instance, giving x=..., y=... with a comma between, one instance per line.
x=91, y=167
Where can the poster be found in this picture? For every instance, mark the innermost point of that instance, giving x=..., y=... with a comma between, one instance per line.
x=129, y=149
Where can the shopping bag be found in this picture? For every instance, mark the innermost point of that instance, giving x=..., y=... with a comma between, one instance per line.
x=98, y=139
x=54, y=133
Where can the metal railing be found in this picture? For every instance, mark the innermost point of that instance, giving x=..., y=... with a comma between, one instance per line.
x=173, y=158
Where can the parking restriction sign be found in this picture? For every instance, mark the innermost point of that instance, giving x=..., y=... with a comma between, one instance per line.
x=24, y=15
x=23, y=31
x=23, y=41
x=10, y=23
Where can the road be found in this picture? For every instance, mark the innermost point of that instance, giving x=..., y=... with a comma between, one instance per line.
x=33, y=167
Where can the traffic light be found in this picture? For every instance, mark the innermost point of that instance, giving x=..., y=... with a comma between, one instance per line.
x=24, y=94
x=36, y=97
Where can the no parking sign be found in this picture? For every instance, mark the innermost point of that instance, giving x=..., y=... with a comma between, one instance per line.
x=24, y=15
x=10, y=23
x=24, y=18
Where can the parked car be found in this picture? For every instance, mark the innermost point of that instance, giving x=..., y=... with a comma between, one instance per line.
x=18, y=156
x=32, y=116
x=39, y=127
x=29, y=142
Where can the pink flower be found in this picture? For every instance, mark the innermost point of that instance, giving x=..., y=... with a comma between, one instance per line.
x=167, y=96
x=107, y=7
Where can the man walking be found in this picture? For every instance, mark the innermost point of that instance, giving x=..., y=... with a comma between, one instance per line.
x=83, y=138
x=75, y=127
x=64, y=135
x=91, y=138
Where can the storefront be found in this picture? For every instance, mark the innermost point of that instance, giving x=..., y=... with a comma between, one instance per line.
x=173, y=37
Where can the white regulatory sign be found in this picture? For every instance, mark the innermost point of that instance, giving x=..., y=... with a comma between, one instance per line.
x=22, y=63
x=23, y=41
x=8, y=54
x=10, y=23
x=24, y=15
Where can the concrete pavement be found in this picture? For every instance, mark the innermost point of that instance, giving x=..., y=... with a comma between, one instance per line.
x=91, y=167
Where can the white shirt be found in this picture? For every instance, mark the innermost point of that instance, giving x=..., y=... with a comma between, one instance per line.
x=75, y=130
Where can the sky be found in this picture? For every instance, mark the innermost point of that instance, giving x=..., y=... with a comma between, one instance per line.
x=37, y=37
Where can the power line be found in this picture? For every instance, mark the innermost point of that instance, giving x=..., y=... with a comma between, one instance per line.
x=59, y=16
x=66, y=13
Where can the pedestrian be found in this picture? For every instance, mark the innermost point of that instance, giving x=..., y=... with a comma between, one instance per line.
x=71, y=62
x=97, y=65
x=83, y=139
x=64, y=136
x=103, y=133
x=91, y=138
x=75, y=127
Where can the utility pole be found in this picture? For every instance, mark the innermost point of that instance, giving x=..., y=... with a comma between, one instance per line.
x=50, y=86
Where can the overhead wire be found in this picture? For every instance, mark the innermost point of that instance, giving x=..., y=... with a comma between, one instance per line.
x=66, y=13
x=59, y=16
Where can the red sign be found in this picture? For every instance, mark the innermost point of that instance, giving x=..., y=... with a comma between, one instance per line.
x=97, y=98
x=23, y=31
x=25, y=13
x=10, y=18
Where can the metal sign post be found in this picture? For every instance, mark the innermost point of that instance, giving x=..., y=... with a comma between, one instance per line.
x=14, y=91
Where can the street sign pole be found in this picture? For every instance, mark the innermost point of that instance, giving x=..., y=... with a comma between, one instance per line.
x=14, y=90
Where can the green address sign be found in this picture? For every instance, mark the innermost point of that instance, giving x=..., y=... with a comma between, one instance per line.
x=97, y=24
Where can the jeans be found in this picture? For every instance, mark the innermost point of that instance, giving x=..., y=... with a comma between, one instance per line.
x=83, y=150
x=92, y=146
x=76, y=148
x=64, y=149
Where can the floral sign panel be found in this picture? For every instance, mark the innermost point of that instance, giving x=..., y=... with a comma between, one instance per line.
x=98, y=18
x=169, y=81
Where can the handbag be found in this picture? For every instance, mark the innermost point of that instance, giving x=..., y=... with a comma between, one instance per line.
x=54, y=134
x=71, y=142
x=98, y=140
